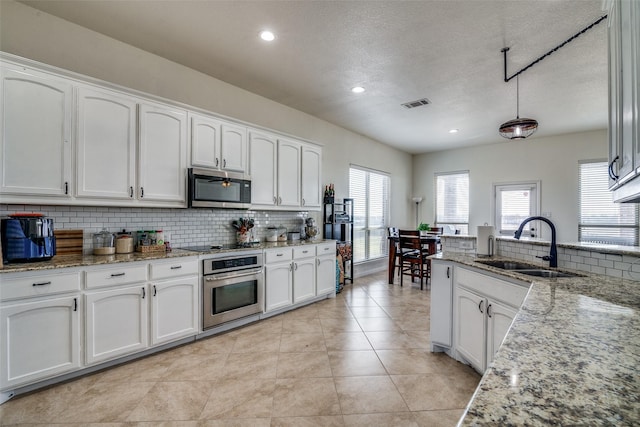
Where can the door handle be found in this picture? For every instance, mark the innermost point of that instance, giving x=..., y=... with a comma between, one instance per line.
x=143, y=293
x=448, y=277
x=155, y=290
x=217, y=162
x=489, y=310
x=141, y=192
x=131, y=192
x=224, y=163
x=612, y=174
x=480, y=306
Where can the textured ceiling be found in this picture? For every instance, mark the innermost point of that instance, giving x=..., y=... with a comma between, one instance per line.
x=400, y=51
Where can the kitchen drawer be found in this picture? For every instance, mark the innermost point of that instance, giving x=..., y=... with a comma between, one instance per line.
x=174, y=268
x=25, y=285
x=305, y=251
x=278, y=255
x=121, y=274
x=326, y=249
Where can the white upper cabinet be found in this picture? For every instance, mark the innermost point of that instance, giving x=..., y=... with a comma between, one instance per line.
x=36, y=134
x=218, y=144
x=106, y=144
x=162, y=153
x=289, y=173
x=263, y=151
x=311, y=177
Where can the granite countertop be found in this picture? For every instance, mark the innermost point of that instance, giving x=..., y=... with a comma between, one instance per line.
x=65, y=261
x=570, y=358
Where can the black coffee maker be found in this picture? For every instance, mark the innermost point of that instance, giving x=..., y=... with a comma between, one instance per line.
x=27, y=238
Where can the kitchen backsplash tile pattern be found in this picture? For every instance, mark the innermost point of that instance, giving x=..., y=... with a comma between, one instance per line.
x=624, y=266
x=181, y=227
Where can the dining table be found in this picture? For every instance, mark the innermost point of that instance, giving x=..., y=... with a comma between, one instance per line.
x=428, y=240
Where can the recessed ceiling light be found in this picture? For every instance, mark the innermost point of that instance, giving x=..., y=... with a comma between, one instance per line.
x=267, y=36
x=453, y=131
x=357, y=89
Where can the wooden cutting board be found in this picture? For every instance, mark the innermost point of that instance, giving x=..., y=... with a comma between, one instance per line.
x=68, y=242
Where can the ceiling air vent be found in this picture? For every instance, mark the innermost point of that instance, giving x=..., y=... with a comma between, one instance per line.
x=418, y=103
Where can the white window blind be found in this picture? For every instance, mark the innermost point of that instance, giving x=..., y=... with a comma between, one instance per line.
x=514, y=203
x=452, y=201
x=370, y=193
x=601, y=220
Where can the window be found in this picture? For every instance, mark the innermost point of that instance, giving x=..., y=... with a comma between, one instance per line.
x=452, y=201
x=514, y=203
x=602, y=220
x=370, y=193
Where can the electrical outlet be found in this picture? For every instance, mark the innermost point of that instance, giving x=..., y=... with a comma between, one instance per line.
x=466, y=244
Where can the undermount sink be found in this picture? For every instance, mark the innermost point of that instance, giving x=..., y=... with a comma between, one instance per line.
x=508, y=265
x=548, y=273
x=528, y=269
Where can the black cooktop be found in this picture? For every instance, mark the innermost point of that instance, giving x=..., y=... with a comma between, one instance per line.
x=208, y=248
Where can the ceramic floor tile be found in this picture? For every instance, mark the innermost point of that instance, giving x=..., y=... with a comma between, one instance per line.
x=251, y=365
x=173, y=400
x=293, y=343
x=292, y=325
x=305, y=397
x=335, y=312
x=347, y=341
x=409, y=361
x=272, y=325
x=395, y=419
x=304, y=365
x=218, y=344
x=105, y=402
x=255, y=343
x=434, y=391
x=367, y=395
x=196, y=367
x=372, y=311
x=355, y=363
x=444, y=418
x=318, y=421
x=151, y=368
x=240, y=398
x=306, y=312
x=373, y=324
x=340, y=325
x=364, y=301
x=238, y=422
x=386, y=340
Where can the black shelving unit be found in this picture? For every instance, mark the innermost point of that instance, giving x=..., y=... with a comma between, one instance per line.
x=338, y=225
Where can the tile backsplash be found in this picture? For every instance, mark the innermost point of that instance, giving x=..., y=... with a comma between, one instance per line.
x=182, y=227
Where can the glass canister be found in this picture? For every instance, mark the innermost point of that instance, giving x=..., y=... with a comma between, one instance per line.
x=104, y=243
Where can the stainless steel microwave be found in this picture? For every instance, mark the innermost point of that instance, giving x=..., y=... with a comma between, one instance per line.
x=218, y=189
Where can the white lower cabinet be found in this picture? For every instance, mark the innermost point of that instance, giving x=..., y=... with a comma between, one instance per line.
x=441, y=304
x=304, y=273
x=484, y=309
x=174, y=309
x=278, y=279
x=116, y=322
x=326, y=274
x=40, y=339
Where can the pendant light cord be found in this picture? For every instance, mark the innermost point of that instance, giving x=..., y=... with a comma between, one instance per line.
x=506, y=49
x=517, y=97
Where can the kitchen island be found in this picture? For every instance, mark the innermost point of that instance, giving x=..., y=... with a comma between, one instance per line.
x=570, y=357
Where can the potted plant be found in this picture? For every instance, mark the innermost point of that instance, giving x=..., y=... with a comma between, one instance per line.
x=423, y=228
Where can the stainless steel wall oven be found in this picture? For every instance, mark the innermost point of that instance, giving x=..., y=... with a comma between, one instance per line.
x=232, y=287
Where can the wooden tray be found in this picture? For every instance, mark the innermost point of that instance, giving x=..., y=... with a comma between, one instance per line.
x=151, y=249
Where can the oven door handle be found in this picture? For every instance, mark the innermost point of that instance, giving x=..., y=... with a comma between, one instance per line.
x=221, y=276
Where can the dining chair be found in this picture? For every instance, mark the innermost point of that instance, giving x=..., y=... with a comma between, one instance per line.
x=413, y=259
x=394, y=232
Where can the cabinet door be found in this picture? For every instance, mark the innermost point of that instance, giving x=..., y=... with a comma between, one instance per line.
x=36, y=133
x=627, y=90
x=116, y=322
x=234, y=148
x=278, y=286
x=106, y=143
x=499, y=319
x=263, y=150
x=470, y=327
x=326, y=274
x=39, y=340
x=205, y=142
x=162, y=154
x=441, y=303
x=289, y=172
x=304, y=279
x=174, y=309
x=311, y=179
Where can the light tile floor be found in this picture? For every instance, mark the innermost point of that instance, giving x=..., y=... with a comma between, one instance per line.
x=361, y=359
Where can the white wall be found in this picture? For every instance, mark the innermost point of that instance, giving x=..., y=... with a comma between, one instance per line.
x=32, y=34
x=552, y=160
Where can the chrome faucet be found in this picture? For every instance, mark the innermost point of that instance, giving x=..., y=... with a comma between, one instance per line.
x=553, y=254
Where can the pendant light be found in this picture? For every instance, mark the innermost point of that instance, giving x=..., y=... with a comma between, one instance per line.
x=522, y=128
x=518, y=128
